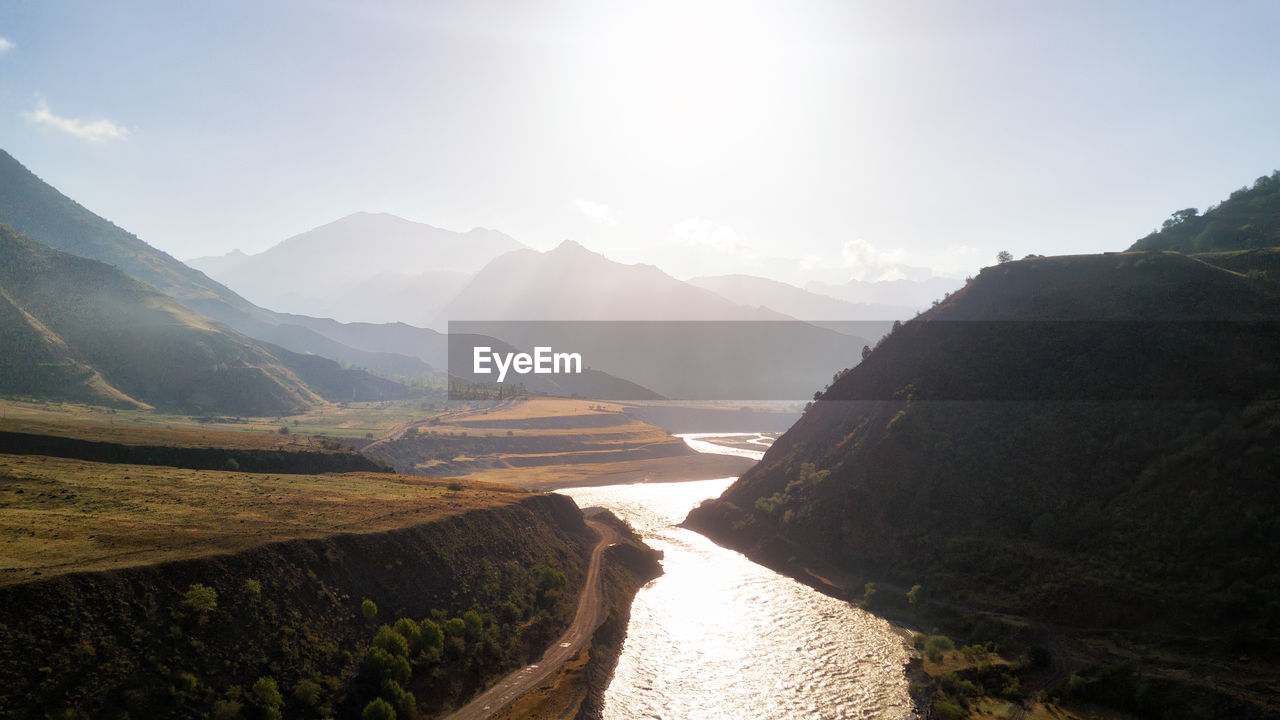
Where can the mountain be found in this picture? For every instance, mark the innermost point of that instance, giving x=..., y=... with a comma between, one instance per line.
x=214, y=265
x=1247, y=220
x=1090, y=442
x=82, y=330
x=366, y=266
x=574, y=283
x=36, y=209
x=791, y=300
x=914, y=295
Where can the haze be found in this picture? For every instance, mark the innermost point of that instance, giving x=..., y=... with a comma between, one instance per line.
x=798, y=141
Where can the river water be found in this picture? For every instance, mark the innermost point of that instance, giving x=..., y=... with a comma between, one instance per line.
x=718, y=636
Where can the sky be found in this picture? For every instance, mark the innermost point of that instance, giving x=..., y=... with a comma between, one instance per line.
x=795, y=140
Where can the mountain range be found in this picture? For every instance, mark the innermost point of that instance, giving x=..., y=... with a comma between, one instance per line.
x=366, y=266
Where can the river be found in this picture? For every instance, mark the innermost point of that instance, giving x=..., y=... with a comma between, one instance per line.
x=718, y=636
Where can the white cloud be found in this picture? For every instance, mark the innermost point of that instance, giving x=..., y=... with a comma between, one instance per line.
x=867, y=263
x=596, y=212
x=702, y=233
x=94, y=130
x=6, y=45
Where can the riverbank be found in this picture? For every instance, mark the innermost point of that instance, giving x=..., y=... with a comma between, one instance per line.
x=577, y=691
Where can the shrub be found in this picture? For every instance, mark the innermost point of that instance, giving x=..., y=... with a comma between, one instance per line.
x=391, y=641
x=284, y=430
x=265, y=695
x=308, y=692
x=200, y=599
x=936, y=645
x=948, y=710
x=378, y=709
x=368, y=609
x=253, y=589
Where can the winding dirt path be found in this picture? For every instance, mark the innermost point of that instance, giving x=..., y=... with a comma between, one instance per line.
x=589, y=616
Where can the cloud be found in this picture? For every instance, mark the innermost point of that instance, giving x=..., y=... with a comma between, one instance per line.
x=6, y=45
x=867, y=263
x=94, y=130
x=596, y=212
x=702, y=233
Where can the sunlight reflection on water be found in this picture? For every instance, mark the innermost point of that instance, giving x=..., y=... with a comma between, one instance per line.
x=718, y=636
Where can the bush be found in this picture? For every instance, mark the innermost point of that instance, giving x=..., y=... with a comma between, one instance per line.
x=368, y=609
x=265, y=695
x=378, y=709
x=391, y=641
x=936, y=645
x=253, y=589
x=308, y=692
x=948, y=710
x=284, y=430
x=200, y=599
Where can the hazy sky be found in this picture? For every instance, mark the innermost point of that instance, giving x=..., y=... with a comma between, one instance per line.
x=789, y=139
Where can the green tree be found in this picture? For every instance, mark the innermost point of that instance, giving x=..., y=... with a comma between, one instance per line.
x=391, y=641
x=200, y=599
x=868, y=593
x=1004, y=256
x=384, y=666
x=265, y=695
x=308, y=692
x=378, y=709
x=913, y=595
x=369, y=609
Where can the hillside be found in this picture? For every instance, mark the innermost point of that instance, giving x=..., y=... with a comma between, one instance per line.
x=231, y=595
x=36, y=209
x=85, y=331
x=145, y=346
x=1086, y=441
x=1247, y=220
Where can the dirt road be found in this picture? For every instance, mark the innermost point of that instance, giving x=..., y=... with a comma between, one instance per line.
x=589, y=616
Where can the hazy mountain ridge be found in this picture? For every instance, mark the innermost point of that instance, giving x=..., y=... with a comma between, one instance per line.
x=365, y=266
x=574, y=283
x=797, y=302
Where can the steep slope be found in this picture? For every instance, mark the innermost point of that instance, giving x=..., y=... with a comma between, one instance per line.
x=36, y=209
x=1247, y=220
x=573, y=283
x=1090, y=441
x=35, y=362
x=144, y=344
x=303, y=273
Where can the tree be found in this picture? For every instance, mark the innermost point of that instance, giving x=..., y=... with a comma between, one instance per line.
x=369, y=609
x=866, y=350
x=1004, y=256
x=265, y=695
x=200, y=599
x=378, y=709
x=913, y=595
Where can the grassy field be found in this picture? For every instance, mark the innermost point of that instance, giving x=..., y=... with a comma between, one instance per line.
x=59, y=516
x=341, y=420
x=548, y=443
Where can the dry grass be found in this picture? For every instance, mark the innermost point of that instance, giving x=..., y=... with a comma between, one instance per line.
x=550, y=477
x=201, y=437
x=59, y=515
